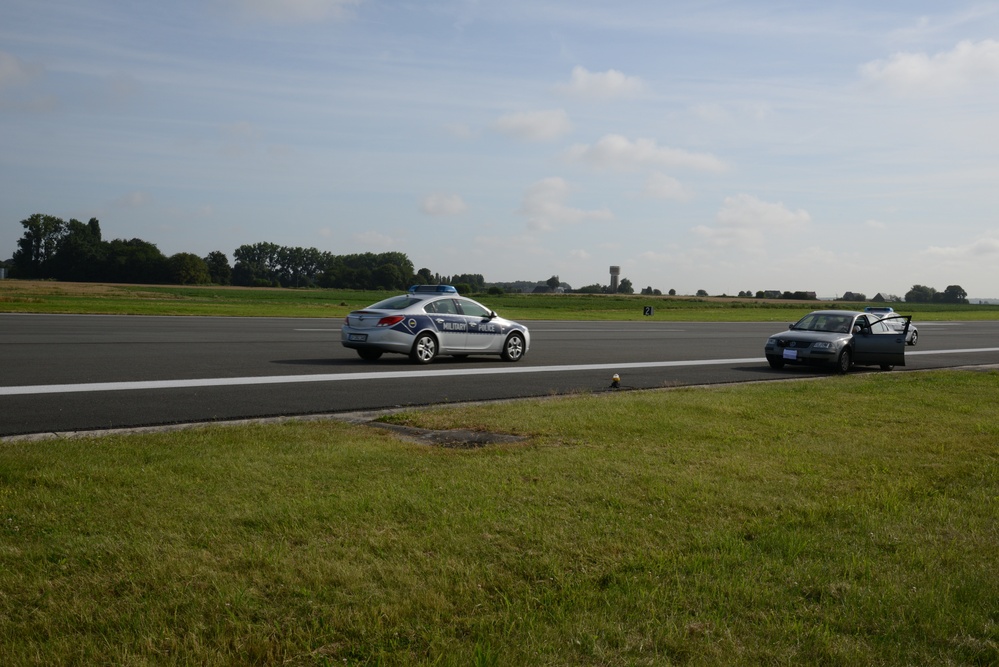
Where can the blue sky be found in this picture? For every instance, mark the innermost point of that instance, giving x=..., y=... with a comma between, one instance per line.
x=725, y=146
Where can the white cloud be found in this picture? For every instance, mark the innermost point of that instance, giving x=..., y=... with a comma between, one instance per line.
x=134, y=199
x=983, y=250
x=719, y=114
x=658, y=257
x=746, y=220
x=14, y=71
x=535, y=125
x=508, y=243
x=661, y=186
x=372, y=239
x=748, y=211
x=460, y=131
x=969, y=63
x=239, y=139
x=710, y=112
x=601, y=85
x=614, y=151
x=439, y=204
x=545, y=208
x=579, y=253
x=876, y=224
x=295, y=11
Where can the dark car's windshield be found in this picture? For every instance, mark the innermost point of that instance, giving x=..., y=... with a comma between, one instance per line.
x=831, y=323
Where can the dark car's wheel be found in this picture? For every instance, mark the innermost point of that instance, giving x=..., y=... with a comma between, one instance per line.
x=844, y=361
x=775, y=362
x=424, y=349
x=513, y=348
x=370, y=355
x=912, y=339
x=887, y=367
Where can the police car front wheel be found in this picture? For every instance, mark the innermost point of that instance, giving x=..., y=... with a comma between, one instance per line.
x=424, y=349
x=513, y=348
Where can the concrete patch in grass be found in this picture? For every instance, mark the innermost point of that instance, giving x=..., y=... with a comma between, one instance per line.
x=452, y=438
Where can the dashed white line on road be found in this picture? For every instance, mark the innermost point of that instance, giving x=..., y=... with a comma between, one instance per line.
x=28, y=390
x=348, y=377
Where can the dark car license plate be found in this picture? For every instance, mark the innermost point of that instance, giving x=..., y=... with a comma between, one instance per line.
x=357, y=338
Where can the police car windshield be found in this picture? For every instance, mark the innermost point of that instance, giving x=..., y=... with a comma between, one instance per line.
x=396, y=302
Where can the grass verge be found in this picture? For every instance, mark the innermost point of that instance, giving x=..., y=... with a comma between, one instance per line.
x=25, y=296
x=847, y=521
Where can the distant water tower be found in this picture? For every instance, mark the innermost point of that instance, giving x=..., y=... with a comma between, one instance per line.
x=615, y=272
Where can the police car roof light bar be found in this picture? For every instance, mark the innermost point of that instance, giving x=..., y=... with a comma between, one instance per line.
x=444, y=289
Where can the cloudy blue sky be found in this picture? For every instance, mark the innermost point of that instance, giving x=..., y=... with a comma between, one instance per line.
x=726, y=146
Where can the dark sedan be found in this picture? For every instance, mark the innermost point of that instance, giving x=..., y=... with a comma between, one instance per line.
x=839, y=339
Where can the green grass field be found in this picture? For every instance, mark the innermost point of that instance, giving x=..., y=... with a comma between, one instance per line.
x=844, y=521
x=57, y=297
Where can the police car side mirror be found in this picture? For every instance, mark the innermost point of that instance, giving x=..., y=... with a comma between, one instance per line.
x=492, y=314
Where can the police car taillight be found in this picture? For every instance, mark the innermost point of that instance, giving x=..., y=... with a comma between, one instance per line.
x=391, y=320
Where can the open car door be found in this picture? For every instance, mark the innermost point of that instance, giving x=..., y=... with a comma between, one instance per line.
x=881, y=342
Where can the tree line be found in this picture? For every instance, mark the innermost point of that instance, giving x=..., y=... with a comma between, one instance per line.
x=52, y=248
x=924, y=294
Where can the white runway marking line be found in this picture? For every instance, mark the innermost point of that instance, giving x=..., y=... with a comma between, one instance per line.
x=343, y=377
x=389, y=375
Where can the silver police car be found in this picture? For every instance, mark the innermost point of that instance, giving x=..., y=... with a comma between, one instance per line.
x=839, y=338
x=430, y=320
x=895, y=321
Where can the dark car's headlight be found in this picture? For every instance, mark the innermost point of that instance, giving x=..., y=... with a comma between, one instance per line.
x=771, y=341
x=822, y=345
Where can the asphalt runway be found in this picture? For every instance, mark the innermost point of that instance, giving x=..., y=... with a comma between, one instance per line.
x=63, y=373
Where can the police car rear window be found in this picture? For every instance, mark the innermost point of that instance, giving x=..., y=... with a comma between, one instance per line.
x=396, y=303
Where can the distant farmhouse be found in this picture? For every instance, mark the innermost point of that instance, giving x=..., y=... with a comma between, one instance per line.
x=880, y=297
x=545, y=289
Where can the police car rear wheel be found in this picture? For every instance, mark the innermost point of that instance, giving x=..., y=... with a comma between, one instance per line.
x=513, y=348
x=424, y=349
